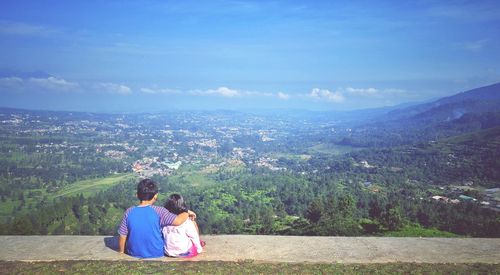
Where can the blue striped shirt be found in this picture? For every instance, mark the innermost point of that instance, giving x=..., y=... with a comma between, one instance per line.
x=142, y=226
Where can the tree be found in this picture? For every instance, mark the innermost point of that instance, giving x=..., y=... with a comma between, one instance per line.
x=375, y=210
x=86, y=229
x=266, y=221
x=392, y=218
x=423, y=218
x=22, y=226
x=313, y=213
x=60, y=229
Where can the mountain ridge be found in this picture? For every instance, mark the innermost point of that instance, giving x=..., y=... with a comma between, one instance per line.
x=482, y=99
x=464, y=112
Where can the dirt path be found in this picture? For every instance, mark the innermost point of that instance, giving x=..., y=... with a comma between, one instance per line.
x=268, y=249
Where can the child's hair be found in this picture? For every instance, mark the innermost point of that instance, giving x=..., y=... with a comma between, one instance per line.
x=146, y=189
x=175, y=204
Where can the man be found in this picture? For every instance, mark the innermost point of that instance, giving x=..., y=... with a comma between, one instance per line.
x=140, y=228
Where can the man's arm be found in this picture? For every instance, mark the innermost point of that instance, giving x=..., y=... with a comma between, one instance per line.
x=121, y=244
x=167, y=218
x=180, y=219
x=123, y=232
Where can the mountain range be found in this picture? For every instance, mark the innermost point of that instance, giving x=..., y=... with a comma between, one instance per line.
x=461, y=113
x=477, y=101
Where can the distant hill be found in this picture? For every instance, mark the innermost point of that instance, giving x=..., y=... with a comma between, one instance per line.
x=479, y=100
x=463, y=158
x=462, y=113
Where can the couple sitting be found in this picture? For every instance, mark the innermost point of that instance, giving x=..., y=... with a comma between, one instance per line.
x=150, y=231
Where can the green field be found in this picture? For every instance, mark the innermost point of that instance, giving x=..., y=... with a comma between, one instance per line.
x=245, y=267
x=87, y=188
x=192, y=176
x=92, y=186
x=295, y=157
x=330, y=149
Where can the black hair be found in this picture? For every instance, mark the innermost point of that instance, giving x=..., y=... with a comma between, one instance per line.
x=146, y=189
x=175, y=204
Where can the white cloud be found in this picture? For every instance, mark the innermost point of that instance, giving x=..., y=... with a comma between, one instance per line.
x=53, y=84
x=253, y=93
x=221, y=91
x=56, y=84
x=114, y=88
x=224, y=91
x=10, y=82
x=284, y=96
x=50, y=84
x=158, y=91
x=323, y=94
x=362, y=92
x=373, y=92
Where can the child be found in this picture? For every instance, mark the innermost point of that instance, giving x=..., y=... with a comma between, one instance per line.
x=182, y=240
x=141, y=225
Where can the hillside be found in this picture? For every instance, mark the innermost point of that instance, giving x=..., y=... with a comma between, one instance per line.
x=249, y=173
x=479, y=100
x=464, y=112
x=471, y=157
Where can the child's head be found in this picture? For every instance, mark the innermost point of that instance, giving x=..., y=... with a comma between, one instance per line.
x=146, y=190
x=175, y=204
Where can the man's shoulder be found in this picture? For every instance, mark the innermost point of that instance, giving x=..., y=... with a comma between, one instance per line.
x=136, y=209
x=156, y=207
x=159, y=210
x=162, y=211
x=166, y=217
x=130, y=209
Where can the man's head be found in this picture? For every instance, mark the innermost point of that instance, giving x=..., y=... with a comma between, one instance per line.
x=146, y=190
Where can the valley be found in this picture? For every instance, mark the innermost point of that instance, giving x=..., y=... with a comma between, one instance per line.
x=259, y=173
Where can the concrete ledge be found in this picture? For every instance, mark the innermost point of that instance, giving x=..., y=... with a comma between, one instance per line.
x=267, y=249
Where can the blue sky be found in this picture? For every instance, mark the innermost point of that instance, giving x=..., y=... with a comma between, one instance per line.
x=316, y=55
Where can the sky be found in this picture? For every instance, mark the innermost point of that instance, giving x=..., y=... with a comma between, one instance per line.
x=139, y=56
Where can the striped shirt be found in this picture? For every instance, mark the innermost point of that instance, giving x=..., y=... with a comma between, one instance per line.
x=166, y=218
x=142, y=226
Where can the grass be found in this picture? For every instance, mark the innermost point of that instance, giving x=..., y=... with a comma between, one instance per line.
x=87, y=188
x=331, y=149
x=296, y=157
x=245, y=267
x=191, y=177
x=92, y=186
x=418, y=231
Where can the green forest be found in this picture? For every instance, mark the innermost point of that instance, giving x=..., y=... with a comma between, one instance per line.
x=248, y=174
x=256, y=202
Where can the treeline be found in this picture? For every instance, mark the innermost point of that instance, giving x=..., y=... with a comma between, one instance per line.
x=23, y=168
x=268, y=203
x=472, y=157
x=416, y=129
x=97, y=215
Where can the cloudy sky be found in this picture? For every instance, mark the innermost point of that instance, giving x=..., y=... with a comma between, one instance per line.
x=120, y=56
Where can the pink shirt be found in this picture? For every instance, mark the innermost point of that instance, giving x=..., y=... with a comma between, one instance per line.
x=180, y=239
